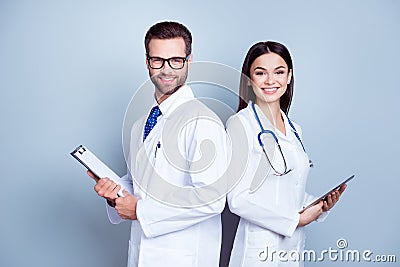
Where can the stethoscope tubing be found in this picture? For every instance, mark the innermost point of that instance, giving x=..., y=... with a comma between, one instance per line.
x=265, y=131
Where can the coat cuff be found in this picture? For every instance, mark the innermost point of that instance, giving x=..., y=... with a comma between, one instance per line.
x=113, y=215
x=142, y=219
x=323, y=216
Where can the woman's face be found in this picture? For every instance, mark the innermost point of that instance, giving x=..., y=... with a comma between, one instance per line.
x=270, y=76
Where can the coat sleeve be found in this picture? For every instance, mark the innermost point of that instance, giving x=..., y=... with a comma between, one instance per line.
x=249, y=205
x=157, y=218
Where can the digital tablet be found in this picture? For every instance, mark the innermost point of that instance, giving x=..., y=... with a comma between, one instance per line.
x=326, y=194
x=95, y=165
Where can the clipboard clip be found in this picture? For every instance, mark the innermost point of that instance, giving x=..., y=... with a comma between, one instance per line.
x=81, y=150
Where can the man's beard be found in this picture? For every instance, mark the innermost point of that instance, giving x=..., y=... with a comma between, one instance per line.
x=162, y=89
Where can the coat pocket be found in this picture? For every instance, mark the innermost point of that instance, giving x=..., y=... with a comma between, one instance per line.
x=166, y=257
x=261, y=247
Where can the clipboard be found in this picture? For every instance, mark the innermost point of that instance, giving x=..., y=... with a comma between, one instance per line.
x=327, y=193
x=95, y=165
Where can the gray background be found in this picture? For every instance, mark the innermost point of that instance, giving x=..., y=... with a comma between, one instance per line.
x=68, y=70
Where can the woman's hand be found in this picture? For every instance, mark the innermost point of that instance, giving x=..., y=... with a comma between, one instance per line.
x=311, y=214
x=333, y=198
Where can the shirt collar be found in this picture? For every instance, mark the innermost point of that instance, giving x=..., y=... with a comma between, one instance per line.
x=179, y=97
x=183, y=94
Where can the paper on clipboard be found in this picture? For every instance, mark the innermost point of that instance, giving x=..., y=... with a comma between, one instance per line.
x=95, y=165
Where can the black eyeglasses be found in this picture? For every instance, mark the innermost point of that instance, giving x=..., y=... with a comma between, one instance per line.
x=175, y=63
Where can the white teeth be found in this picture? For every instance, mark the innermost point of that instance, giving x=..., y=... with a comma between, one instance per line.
x=167, y=79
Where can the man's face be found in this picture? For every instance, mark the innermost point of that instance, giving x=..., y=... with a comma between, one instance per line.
x=166, y=79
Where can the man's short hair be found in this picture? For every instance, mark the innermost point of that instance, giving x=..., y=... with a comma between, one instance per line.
x=169, y=30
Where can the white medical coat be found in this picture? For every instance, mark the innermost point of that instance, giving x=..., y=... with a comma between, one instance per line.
x=164, y=235
x=269, y=215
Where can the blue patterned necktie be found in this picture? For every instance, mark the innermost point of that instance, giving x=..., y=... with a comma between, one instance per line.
x=151, y=121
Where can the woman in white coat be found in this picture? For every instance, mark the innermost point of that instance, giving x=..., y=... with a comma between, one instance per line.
x=271, y=191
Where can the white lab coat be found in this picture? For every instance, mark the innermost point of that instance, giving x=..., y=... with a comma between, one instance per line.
x=269, y=215
x=164, y=235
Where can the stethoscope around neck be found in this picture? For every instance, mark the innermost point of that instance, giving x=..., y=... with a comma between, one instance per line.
x=265, y=131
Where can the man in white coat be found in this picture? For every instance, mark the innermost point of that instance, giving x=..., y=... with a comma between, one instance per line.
x=173, y=200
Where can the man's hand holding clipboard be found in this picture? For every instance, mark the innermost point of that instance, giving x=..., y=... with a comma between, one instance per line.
x=108, y=183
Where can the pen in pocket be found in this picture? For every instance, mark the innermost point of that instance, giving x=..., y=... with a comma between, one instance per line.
x=157, y=147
